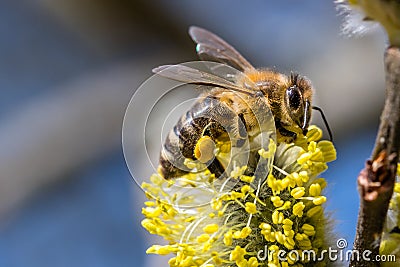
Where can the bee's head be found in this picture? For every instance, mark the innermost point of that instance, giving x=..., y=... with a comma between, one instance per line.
x=298, y=103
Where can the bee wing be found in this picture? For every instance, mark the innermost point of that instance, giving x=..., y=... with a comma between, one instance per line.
x=190, y=75
x=212, y=47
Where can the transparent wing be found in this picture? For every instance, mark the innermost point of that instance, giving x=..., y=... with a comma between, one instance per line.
x=191, y=75
x=213, y=48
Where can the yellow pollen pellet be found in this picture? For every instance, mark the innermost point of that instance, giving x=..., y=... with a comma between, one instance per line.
x=204, y=149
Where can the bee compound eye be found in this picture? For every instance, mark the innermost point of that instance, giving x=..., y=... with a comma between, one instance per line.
x=294, y=97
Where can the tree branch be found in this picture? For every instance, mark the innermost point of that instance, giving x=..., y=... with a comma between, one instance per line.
x=376, y=180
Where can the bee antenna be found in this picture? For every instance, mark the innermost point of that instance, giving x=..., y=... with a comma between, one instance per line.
x=293, y=77
x=325, y=121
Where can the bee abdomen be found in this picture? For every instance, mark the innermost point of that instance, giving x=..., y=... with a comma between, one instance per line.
x=202, y=119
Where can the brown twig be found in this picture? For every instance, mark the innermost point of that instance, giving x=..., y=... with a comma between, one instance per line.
x=376, y=180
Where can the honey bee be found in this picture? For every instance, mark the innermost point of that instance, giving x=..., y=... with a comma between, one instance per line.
x=230, y=104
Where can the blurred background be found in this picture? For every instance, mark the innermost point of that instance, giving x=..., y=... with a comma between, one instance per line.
x=68, y=70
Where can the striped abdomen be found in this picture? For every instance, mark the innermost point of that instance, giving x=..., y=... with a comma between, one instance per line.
x=207, y=117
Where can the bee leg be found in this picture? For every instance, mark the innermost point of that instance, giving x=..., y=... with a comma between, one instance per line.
x=242, y=131
x=284, y=135
x=240, y=142
x=242, y=125
x=252, y=163
x=216, y=167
